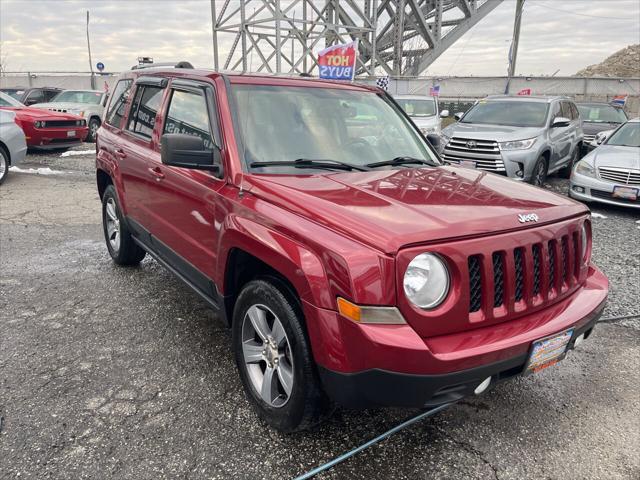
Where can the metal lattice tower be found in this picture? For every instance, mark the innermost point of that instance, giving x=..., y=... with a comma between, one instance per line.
x=396, y=37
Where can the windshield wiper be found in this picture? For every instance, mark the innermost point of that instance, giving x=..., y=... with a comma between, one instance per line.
x=309, y=163
x=400, y=161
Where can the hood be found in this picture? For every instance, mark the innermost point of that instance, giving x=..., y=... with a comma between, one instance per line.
x=591, y=128
x=615, y=156
x=426, y=122
x=389, y=209
x=24, y=113
x=65, y=106
x=500, y=133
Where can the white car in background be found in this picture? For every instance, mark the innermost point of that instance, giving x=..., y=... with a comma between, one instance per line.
x=423, y=110
x=89, y=104
x=611, y=173
x=13, y=145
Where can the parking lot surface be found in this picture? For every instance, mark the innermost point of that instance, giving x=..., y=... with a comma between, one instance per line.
x=109, y=372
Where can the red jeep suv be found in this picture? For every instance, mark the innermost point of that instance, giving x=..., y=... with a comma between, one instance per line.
x=351, y=265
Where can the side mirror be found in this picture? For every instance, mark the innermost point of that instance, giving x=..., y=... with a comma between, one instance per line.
x=187, y=151
x=560, y=122
x=444, y=113
x=434, y=140
x=30, y=101
x=458, y=116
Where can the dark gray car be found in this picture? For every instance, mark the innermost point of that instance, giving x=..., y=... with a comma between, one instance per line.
x=599, y=117
x=525, y=137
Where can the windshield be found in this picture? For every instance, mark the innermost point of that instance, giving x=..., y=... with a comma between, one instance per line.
x=512, y=114
x=78, y=96
x=417, y=107
x=283, y=124
x=602, y=114
x=628, y=135
x=13, y=92
x=7, y=101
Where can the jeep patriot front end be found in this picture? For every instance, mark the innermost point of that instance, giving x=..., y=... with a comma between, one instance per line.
x=350, y=264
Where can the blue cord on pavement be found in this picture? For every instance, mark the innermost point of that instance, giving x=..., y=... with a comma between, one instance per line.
x=371, y=442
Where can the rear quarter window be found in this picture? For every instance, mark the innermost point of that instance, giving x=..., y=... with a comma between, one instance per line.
x=116, y=110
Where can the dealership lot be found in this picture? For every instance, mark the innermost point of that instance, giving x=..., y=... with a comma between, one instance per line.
x=106, y=371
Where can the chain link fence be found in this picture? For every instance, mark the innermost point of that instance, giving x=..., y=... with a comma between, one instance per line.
x=456, y=93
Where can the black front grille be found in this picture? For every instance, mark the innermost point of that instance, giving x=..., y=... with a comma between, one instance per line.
x=498, y=279
x=475, y=284
x=565, y=259
x=609, y=196
x=552, y=265
x=537, y=260
x=60, y=123
x=519, y=265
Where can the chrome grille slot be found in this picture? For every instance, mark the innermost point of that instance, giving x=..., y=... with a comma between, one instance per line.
x=623, y=176
x=485, y=153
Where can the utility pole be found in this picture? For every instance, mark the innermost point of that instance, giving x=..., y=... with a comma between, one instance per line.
x=93, y=80
x=513, y=51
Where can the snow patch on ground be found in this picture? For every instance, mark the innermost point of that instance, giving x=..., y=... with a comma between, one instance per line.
x=37, y=171
x=597, y=215
x=72, y=153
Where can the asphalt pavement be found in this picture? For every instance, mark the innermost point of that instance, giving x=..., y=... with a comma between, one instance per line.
x=123, y=373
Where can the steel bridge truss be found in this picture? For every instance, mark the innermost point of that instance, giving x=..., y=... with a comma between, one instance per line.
x=396, y=37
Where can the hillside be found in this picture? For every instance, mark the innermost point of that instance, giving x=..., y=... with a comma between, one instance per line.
x=623, y=63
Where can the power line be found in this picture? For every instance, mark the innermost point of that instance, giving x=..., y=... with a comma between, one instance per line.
x=582, y=14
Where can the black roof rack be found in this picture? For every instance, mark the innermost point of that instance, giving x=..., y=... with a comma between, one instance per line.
x=182, y=64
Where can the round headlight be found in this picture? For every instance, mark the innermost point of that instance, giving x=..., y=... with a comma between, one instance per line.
x=584, y=238
x=426, y=281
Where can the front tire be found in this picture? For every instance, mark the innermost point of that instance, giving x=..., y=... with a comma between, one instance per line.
x=539, y=174
x=565, y=172
x=4, y=164
x=94, y=125
x=122, y=248
x=274, y=358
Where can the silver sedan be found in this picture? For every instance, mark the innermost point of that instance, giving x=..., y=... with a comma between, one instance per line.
x=611, y=173
x=13, y=146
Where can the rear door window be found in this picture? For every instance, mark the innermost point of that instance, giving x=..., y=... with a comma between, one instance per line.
x=146, y=103
x=35, y=96
x=188, y=114
x=118, y=103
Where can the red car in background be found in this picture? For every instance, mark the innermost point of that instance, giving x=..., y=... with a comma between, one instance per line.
x=45, y=129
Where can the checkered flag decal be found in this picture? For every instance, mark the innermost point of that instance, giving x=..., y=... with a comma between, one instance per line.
x=383, y=83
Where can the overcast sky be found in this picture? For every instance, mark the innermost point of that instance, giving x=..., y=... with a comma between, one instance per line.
x=45, y=35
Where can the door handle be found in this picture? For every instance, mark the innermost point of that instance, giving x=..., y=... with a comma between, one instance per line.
x=119, y=153
x=157, y=173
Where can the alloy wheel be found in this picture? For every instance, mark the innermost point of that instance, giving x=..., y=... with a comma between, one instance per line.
x=538, y=178
x=266, y=352
x=93, y=129
x=113, y=224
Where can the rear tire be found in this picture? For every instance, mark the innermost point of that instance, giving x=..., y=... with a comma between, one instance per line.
x=122, y=248
x=4, y=164
x=539, y=174
x=270, y=345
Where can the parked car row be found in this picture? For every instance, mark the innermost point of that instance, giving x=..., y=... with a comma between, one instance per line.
x=528, y=138
x=86, y=104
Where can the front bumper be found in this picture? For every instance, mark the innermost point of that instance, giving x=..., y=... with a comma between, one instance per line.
x=590, y=189
x=56, y=138
x=390, y=365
